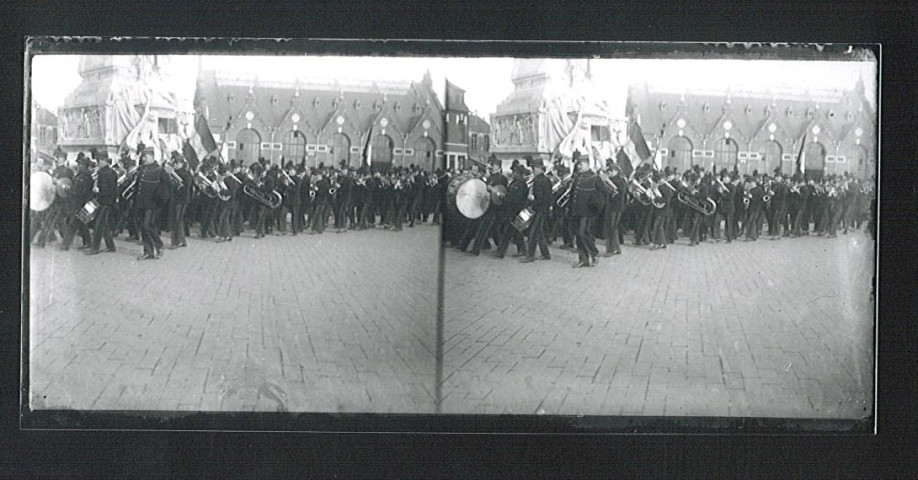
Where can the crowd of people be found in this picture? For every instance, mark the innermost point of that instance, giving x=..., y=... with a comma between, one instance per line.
x=221, y=200
x=656, y=207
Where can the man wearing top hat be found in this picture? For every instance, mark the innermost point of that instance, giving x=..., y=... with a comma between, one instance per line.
x=106, y=193
x=542, y=199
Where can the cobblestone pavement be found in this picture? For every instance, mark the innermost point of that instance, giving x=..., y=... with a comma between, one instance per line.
x=753, y=329
x=328, y=323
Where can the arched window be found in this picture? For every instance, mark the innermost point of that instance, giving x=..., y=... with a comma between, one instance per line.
x=770, y=154
x=814, y=160
x=248, y=146
x=294, y=146
x=424, y=153
x=382, y=152
x=725, y=155
x=340, y=149
x=680, y=154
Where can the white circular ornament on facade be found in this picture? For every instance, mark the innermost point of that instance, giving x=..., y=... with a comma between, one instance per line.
x=681, y=123
x=295, y=117
x=384, y=122
x=426, y=124
x=249, y=115
x=816, y=130
x=728, y=125
x=772, y=128
x=858, y=131
x=339, y=120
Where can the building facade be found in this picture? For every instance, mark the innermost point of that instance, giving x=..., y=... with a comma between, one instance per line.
x=479, y=139
x=761, y=131
x=328, y=122
x=457, y=128
x=43, y=132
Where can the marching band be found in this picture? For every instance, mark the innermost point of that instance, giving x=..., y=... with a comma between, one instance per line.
x=223, y=199
x=527, y=208
x=655, y=205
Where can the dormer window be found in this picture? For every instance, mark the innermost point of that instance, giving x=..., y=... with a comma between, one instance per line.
x=377, y=106
x=398, y=106
x=417, y=108
x=356, y=104
x=231, y=98
x=789, y=112
x=663, y=105
x=315, y=102
x=273, y=99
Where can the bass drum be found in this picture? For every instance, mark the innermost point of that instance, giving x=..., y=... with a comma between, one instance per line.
x=473, y=198
x=41, y=191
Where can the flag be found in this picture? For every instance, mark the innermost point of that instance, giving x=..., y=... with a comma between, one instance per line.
x=637, y=139
x=658, y=160
x=801, y=156
x=621, y=158
x=201, y=140
x=191, y=157
x=368, y=144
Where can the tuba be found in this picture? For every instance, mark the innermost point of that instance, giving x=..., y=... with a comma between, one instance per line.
x=271, y=200
x=705, y=207
x=641, y=194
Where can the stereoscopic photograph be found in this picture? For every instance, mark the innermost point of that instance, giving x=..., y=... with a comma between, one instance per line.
x=233, y=233
x=455, y=235
x=602, y=244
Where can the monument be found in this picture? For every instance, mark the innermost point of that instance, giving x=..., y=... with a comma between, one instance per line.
x=122, y=100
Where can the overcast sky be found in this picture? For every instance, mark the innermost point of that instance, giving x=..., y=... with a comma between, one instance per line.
x=486, y=80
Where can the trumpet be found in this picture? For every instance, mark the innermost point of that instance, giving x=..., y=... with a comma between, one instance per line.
x=312, y=191
x=768, y=194
x=131, y=189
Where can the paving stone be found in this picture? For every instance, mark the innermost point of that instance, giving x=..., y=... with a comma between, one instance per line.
x=213, y=326
x=750, y=329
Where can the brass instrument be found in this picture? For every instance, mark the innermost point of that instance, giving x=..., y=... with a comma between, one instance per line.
x=705, y=207
x=211, y=188
x=123, y=179
x=768, y=194
x=609, y=183
x=131, y=189
x=432, y=181
x=176, y=179
x=721, y=188
x=271, y=200
x=312, y=191
x=286, y=178
x=641, y=194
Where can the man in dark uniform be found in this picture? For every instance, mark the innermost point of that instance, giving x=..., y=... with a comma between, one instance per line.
x=612, y=211
x=208, y=205
x=150, y=198
x=106, y=193
x=586, y=201
x=726, y=206
x=486, y=222
x=662, y=215
x=542, y=199
x=228, y=207
x=778, y=207
x=755, y=211
x=517, y=193
x=320, y=203
x=293, y=199
x=79, y=195
x=180, y=201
